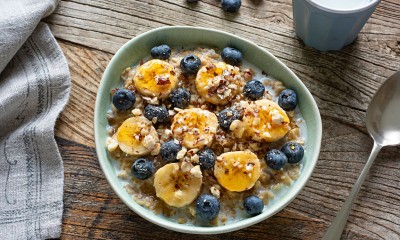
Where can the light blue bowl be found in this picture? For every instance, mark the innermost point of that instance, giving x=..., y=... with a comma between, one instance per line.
x=139, y=47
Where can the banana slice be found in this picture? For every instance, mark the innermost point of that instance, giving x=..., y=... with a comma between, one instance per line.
x=194, y=127
x=137, y=136
x=237, y=171
x=218, y=83
x=265, y=120
x=155, y=78
x=175, y=187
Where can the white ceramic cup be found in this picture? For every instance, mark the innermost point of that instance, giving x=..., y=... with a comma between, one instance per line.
x=330, y=24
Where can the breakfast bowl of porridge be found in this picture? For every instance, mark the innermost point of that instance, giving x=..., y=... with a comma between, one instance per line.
x=203, y=132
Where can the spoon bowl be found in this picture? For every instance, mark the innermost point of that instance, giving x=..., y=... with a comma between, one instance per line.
x=383, y=124
x=383, y=114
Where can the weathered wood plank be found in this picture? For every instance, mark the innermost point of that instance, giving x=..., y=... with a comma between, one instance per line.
x=86, y=67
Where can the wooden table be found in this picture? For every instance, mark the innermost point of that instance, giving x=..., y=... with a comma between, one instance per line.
x=342, y=83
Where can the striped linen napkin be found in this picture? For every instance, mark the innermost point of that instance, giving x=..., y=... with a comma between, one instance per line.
x=34, y=88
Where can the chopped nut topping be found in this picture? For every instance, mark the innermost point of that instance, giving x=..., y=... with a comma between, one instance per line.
x=154, y=120
x=168, y=132
x=163, y=80
x=276, y=118
x=196, y=172
x=144, y=131
x=186, y=166
x=249, y=167
x=112, y=144
x=171, y=112
x=137, y=112
x=181, y=153
x=215, y=192
x=149, y=100
x=178, y=131
x=123, y=174
x=232, y=86
x=156, y=149
x=149, y=142
x=194, y=158
x=193, y=151
x=192, y=211
x=182, y=220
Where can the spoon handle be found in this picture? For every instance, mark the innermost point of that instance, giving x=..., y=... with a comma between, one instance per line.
x=335, y=230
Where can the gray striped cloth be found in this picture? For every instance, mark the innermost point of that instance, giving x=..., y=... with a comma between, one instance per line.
x=34, y=88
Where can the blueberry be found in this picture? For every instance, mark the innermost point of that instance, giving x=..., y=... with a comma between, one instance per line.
x=254, y=89
x=253, y=205
x=231, y=5
x=180, y=98
x=287, y=100
x=159, y=112
x=142, y=168
x=232, y=56
x=169, y=150
x=293, y=151
x=206, y=158
x=276, y=159
x=123, y=99
x=190, y=64
x=161, y=52
x=207, y=207
x=226, y=117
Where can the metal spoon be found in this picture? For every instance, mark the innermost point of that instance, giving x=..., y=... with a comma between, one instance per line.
x=383, y=124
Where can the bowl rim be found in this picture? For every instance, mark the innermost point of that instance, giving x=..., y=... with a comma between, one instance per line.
x=198, y=229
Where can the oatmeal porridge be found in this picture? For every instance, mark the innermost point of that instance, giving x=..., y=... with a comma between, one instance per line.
x=202, y=136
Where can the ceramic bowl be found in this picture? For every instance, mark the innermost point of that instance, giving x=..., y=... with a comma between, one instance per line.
x=139, y=47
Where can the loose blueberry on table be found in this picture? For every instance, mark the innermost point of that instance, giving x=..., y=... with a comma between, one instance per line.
x=161, y=52
x=293, y=151
x=123, y=99
x=142, y=168
x=207, y=207
x=232, y=56
x=276, y=159
x=231, y=5
x=169, y=150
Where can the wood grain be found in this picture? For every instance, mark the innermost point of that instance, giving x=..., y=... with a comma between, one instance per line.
x=341, y=82
x=86, y=67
